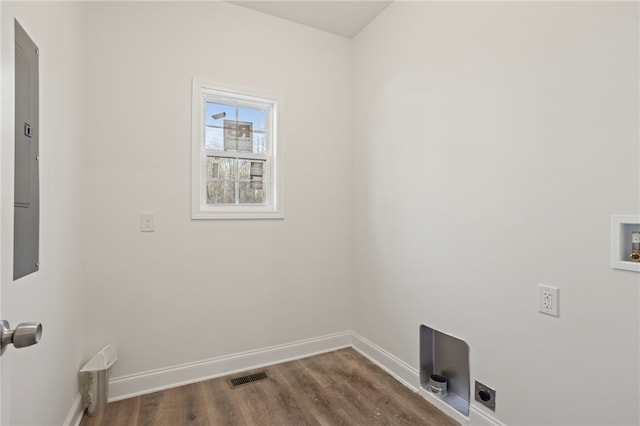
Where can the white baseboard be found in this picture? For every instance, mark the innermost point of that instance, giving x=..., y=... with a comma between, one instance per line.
x=480, y=418
x=410, y=377
x=165, y=378
x=75, y=413
x=403, y=372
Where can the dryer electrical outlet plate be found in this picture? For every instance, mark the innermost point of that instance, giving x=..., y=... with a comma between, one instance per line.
x=485, y=395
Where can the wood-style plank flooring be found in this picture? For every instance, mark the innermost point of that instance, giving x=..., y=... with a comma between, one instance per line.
x=336, y=388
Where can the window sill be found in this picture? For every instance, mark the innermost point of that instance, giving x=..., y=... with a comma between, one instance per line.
x=224, y=214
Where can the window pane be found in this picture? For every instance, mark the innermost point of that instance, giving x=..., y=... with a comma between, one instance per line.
x=219, y=110
x=214, y=138
x=221, y=192
x=251, y=170
x=256, y=117
x=259, y=146
x=244, y=169
x=238, y=136
x=221, y=168
x=249, y=195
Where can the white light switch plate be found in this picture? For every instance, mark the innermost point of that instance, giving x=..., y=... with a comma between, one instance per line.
x=147, y=222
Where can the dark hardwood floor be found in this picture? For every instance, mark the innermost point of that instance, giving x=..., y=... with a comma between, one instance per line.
x=336, y=388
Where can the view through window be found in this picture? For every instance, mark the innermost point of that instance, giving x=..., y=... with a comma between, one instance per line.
x=235, y=150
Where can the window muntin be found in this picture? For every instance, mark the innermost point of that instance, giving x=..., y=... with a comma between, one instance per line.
x=235, y=151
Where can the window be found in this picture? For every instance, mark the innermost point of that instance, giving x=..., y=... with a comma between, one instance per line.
x=234, y=164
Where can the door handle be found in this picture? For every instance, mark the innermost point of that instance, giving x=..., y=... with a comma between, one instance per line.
x=25, y=334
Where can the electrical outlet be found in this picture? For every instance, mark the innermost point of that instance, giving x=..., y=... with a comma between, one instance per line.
x=147, y=222
x=548, y=301
x=485, y=395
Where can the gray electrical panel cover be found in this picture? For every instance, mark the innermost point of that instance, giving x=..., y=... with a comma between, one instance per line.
x=26, y=218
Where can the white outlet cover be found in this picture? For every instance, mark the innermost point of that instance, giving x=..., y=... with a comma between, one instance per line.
x=147, y=222
x=548, y=300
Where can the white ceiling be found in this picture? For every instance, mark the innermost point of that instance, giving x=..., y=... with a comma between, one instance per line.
x=344, y=18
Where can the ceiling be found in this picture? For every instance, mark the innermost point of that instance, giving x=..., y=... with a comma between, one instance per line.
x=344, y=18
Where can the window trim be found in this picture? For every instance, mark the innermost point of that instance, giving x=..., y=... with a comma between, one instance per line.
x=202, y=92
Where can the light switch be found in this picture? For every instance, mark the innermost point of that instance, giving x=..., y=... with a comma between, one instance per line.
x=147, y=222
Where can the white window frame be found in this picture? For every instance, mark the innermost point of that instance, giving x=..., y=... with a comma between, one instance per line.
x=204, y=91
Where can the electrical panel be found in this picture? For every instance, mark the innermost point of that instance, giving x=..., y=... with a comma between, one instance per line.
x=26, y=207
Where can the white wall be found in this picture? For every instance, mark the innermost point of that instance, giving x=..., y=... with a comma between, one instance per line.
x=40, y=382
x=493, y=142
x=194, y=290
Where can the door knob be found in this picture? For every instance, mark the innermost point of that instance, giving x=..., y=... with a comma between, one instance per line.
x=25, y=334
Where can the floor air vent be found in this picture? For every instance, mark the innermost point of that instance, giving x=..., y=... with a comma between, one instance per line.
x=239, y=381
